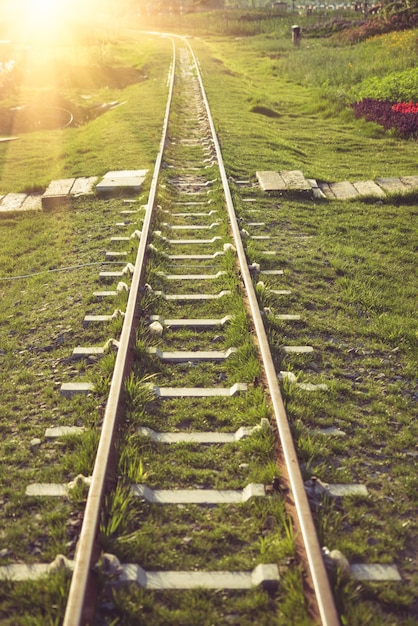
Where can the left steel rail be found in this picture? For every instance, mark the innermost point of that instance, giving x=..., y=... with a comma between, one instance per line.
x=76, y=603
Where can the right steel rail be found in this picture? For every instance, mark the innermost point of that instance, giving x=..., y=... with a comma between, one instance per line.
x=324, y=598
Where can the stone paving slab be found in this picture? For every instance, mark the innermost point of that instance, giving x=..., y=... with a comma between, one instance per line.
x=296, y=181
x=369, y=188
x=115, y=181
x=326, y=190
x=198, y=496
x=265, y=575
x=316, y=190
x=84, y=186
x=57, y=193
x=109, y=186
x=410, y=181
x=344, y=190
x=392, y=185
x=114, y=174
x=270, y=181
x=32, y=203
x=12, y=202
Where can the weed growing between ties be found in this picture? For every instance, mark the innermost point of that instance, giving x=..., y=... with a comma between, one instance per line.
x=207, y=607
x=36, y=603
x=219, y=538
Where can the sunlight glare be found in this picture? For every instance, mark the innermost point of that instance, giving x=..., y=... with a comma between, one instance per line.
x=42, y=12
x=46, y=20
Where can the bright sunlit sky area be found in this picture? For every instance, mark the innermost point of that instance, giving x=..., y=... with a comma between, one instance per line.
x=41, y=20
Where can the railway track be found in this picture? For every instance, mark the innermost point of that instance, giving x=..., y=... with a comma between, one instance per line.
x=196, y=488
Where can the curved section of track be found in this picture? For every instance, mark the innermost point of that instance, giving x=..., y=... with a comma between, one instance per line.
x=191, y=182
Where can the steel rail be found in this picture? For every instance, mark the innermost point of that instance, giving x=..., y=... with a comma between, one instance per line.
x=325, y=601
x=74, y=614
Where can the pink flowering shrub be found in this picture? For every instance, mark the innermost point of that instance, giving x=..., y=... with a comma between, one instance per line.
x=400, y=116
x=405, y=107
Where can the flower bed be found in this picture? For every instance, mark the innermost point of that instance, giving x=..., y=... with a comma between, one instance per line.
x=405, y=107
x=401, y=116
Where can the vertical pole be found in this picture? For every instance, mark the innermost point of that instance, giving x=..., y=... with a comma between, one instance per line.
x=296, y=35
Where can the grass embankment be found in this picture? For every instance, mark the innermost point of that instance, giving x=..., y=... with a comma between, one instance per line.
x=353, y=283
x=291, y=116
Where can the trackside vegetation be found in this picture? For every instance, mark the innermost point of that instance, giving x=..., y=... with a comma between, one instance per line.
x=350, y=266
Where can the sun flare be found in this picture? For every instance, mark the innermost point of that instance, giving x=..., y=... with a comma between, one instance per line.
x=47, y=21
x=41, y=13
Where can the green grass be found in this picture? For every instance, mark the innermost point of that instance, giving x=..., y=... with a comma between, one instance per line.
x=360, y=317
x=92, y=149
x=353, y=284
x=311, y=133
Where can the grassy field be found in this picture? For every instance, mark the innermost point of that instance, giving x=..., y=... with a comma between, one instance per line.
x=354, y=282
x=128, y=72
